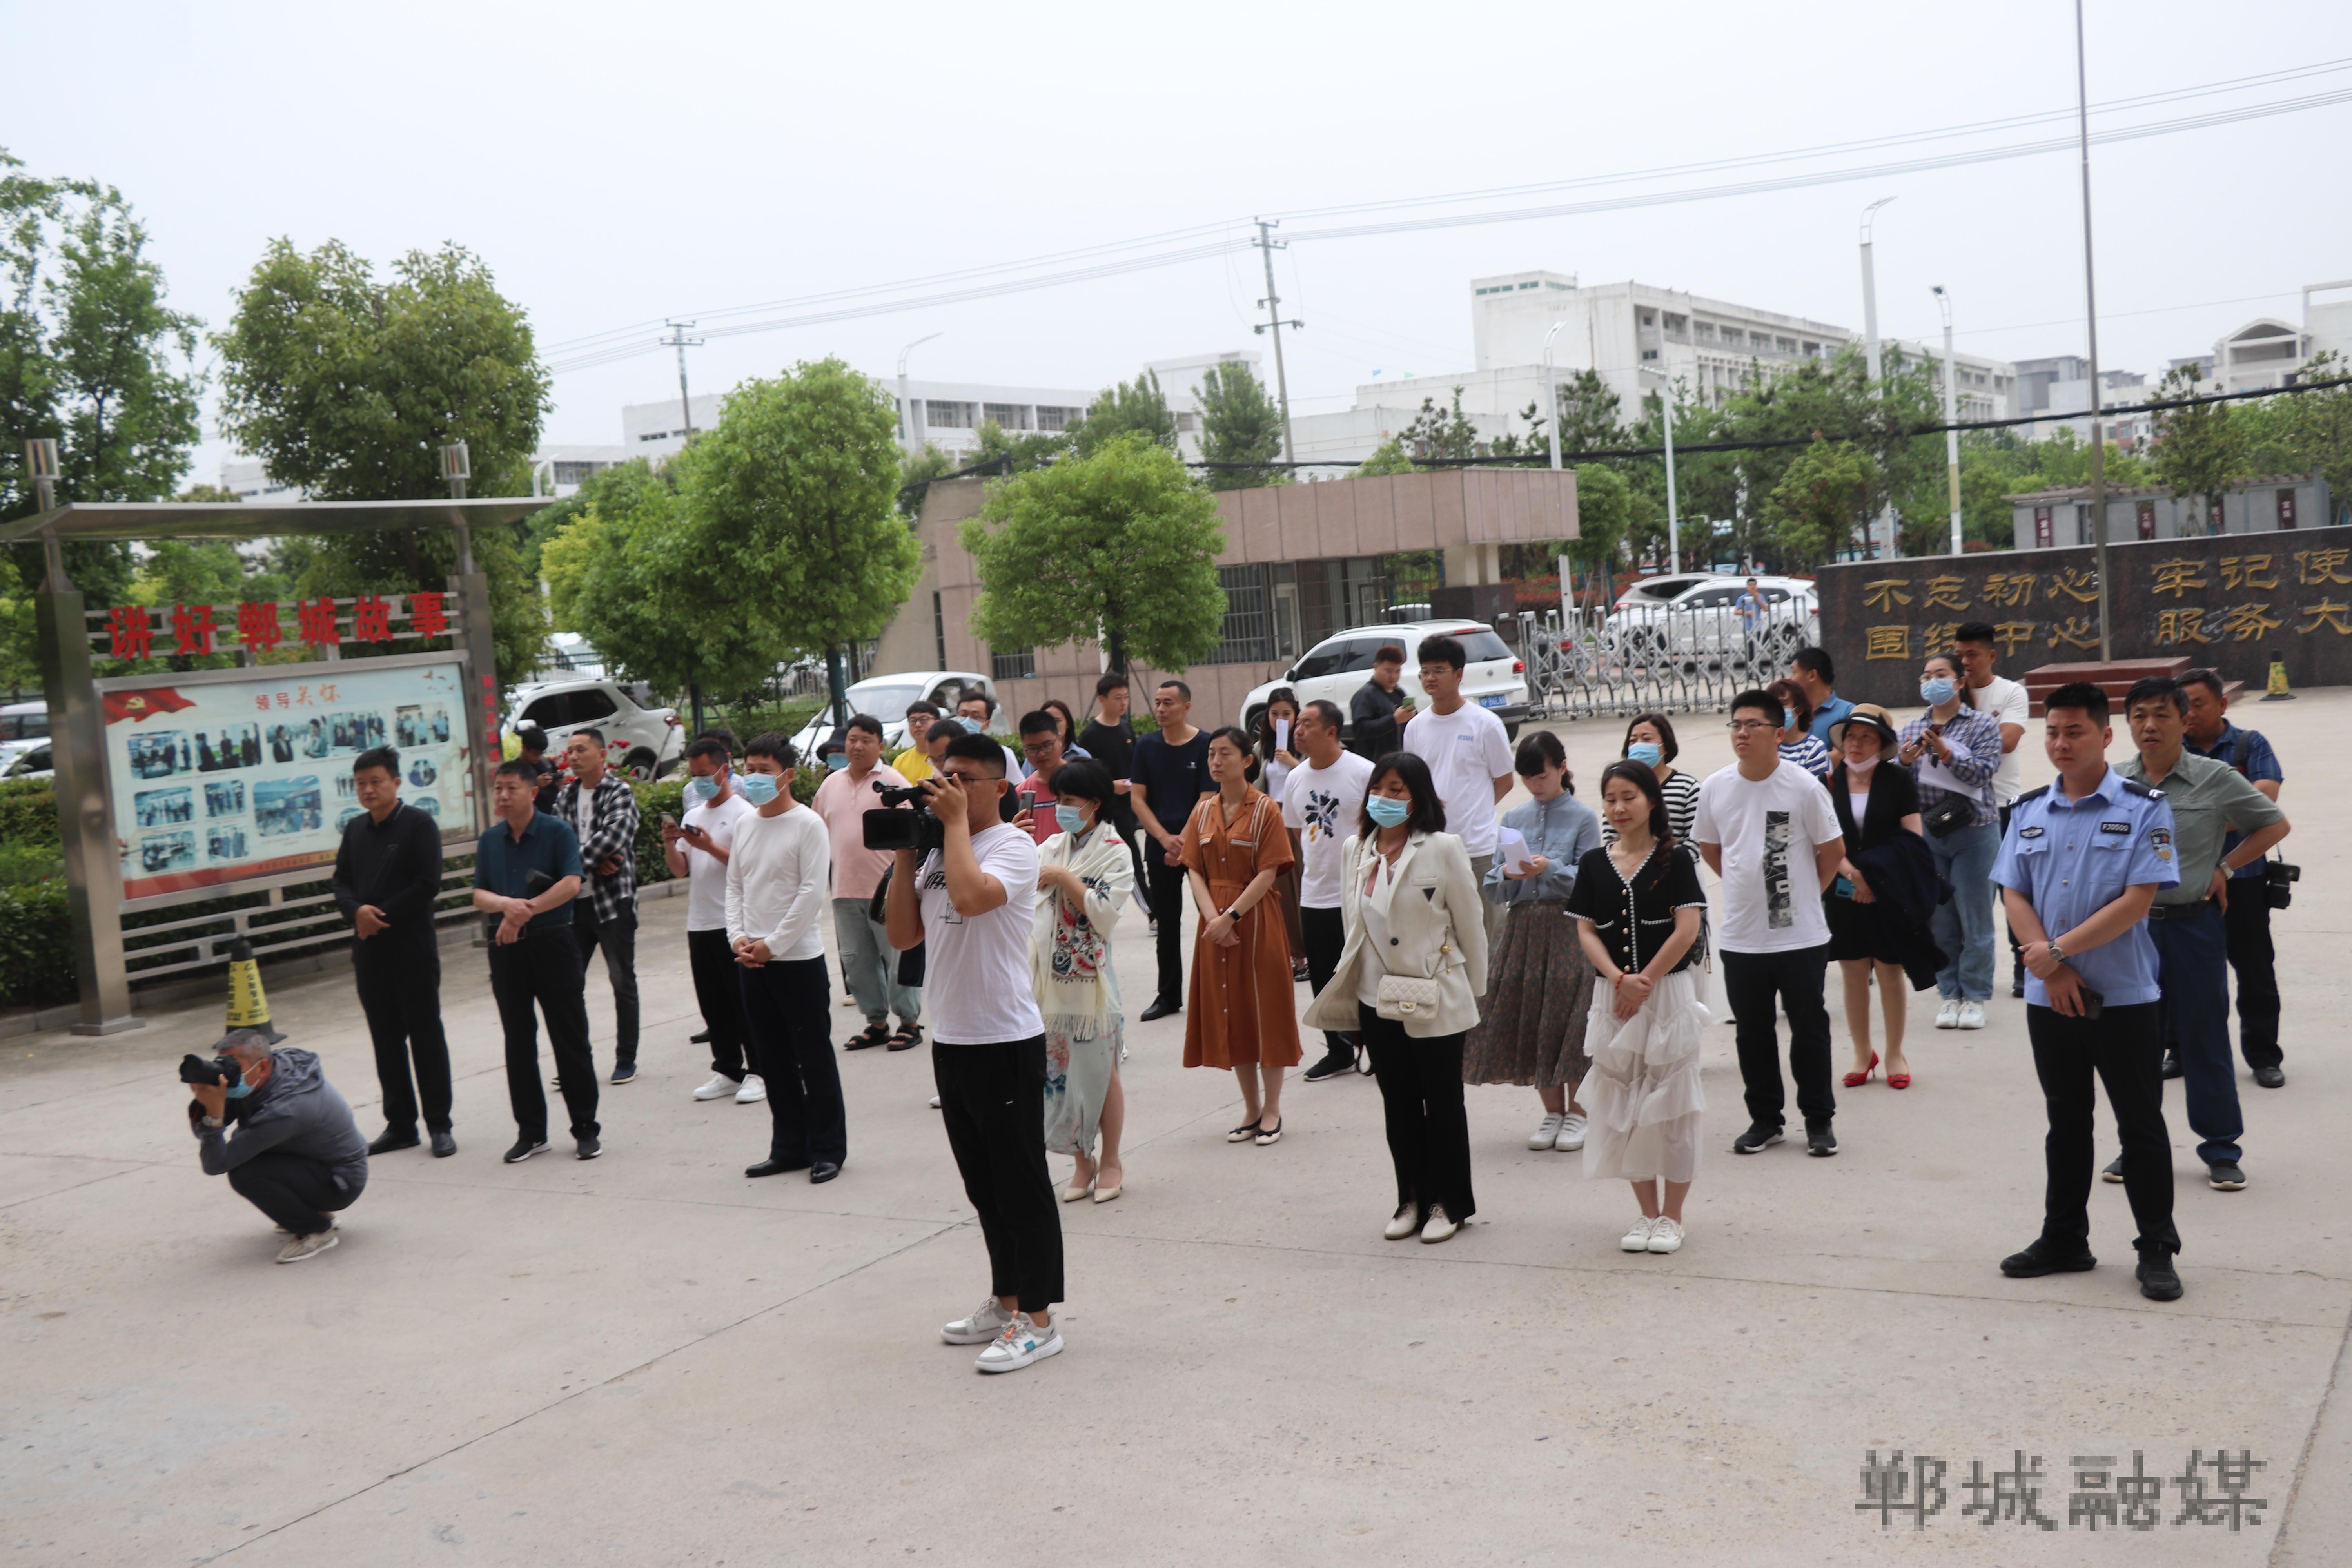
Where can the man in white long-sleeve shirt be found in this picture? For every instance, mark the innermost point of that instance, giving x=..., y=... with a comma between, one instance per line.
x=776, y=900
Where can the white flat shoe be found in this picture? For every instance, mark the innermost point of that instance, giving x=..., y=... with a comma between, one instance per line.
x=1571, y=1133
x=1404, y=1223
x=1637, y=1238
x=1666, y=1236
x=1546, y=1133
x=1441, y=1225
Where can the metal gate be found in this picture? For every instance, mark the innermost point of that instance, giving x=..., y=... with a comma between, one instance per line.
x=1591, y=664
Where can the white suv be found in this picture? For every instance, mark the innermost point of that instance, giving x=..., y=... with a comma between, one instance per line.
x=644, y=741
x=888, y=697
x=1338, y=667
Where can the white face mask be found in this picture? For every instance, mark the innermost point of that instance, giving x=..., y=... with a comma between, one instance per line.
x=1863, y=766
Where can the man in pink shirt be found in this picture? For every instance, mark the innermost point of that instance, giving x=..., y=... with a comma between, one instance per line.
x=842, y=801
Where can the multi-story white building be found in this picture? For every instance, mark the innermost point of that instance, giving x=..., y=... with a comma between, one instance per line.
x=2060, y=387
x=246, y=478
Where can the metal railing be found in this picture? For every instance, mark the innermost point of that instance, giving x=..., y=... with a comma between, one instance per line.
x=279, y=925
x=1591, y=664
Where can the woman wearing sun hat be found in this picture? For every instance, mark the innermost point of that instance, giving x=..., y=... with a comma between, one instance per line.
x=1877, y=802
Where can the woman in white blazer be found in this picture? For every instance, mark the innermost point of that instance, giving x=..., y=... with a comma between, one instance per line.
x=1410, y=906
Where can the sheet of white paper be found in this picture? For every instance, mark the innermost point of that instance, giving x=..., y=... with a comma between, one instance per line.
x=1932, y=771
x=1282, y=734
x=1511, y=849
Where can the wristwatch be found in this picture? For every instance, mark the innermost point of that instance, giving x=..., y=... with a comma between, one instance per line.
x=213, y=1123
x=2057, y=952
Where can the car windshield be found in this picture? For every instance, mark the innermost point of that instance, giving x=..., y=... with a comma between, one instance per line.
x=886, y=699
x=1480, y=643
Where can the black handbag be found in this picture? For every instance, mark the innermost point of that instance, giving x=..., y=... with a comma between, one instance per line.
x=1952, y=814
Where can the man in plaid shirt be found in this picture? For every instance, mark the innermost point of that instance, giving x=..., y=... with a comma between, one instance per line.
x=1955, y=748
x=603, y=810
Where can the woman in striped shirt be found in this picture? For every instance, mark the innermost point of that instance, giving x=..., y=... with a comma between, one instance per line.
x=1798, y=745
x=1650, y=739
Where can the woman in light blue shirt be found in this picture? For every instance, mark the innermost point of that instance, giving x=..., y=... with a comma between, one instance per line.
x=1539, y=988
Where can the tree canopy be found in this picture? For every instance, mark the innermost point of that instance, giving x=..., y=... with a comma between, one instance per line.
x=1239, y=423
x=1125, y=408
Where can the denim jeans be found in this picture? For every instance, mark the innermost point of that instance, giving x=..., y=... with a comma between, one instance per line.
x=1963, y=925
x=2192, y=958
x=870, y=963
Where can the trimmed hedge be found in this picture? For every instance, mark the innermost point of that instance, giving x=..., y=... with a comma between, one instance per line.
x=670, y=795
x=37, y=962
x=28, y=814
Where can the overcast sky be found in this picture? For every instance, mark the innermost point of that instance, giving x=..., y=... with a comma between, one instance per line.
x=619, y=164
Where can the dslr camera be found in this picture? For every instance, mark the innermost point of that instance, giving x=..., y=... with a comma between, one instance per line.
x=2278, y=882
x=891, y=826
x=220, y=1072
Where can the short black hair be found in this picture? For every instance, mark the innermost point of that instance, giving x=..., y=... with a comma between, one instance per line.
x=975, y=694
x=1816, y=661
x=1643, y=778
x=868, y=723
x=1667, y=748
x=529, y=737
x=383, y=757
x=1388, y=653
x=1114, y=682
x=590, y=730
x=709, y=747
x=2156, y=688
x=1762, y=702
x=1326, y=710
x=2090, y=700
x=977, y=749
x=770, y=744
x=722, y=734
x=1087, y=780
x=1181, y=689
x=930, y=710
x=1975, y=631
x=1040, y=722
x=1238, y=738
x=2211, y=680
x=517, y=768
x=1428, y=813
x=1443, y=651
x=1538, y=750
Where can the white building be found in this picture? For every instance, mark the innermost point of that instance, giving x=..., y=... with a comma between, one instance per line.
x=244, y=478
x=561, y=470
x=2060, y=386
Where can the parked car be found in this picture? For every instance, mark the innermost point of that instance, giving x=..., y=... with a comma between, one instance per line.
x=29, y=759
x=1336, y=668
x=23, y=721
x=887, y=697
x=645, y=741
x=1694, y=615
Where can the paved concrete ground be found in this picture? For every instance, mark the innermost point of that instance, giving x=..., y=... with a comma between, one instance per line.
x=650, y=1360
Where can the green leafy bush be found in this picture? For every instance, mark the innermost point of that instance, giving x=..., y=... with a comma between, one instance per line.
x=28, y=814
x=37, y=964
x=653, y=799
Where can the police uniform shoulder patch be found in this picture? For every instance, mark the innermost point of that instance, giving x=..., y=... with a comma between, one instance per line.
x=2030, y=794
x=2133, y=786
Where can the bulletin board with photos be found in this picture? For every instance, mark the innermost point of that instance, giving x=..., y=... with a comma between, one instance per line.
x=219, y=777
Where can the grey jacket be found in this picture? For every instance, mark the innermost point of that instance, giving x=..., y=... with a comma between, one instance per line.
x=298, y=1111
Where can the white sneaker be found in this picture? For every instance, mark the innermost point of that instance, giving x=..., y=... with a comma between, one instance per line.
x=1571, y=1133
x=1546, y=1133
x=1022, y=1343
x=303, y=1246
x=1637, y=1236
x=1440, y=1225
x=1948, y=1016
x=988, y=1319
x=752, y=1092
x=1972, y=1015
x=1401, y=1224
x=1665, y=1234
x=935, y=1102
x=720, y=1086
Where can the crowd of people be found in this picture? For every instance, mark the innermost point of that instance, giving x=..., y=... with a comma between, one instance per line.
x=1556, y=947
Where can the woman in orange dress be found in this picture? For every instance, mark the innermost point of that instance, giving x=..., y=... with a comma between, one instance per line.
x=1241, y=1012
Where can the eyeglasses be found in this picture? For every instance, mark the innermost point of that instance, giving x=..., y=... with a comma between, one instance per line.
x=1747, y=726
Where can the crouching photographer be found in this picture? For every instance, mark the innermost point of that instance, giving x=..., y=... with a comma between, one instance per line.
x=295, y=1154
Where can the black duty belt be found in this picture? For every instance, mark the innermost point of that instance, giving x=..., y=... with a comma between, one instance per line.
x=2178, y=911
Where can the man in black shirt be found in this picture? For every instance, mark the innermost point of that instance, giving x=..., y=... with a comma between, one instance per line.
x=1170, y=775
x=388, y=876
x=1380, y=710
x=532, y=740
x=1109, y=739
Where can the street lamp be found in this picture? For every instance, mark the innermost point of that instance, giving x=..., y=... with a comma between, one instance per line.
x=906, y=404
x=1673, y=518
x=1551, y=395
x=1951, y=414
x=1870, y=336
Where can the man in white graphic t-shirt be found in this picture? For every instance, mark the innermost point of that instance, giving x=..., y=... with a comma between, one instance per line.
x=1469, y=757
x=1323, y=806
x=1768, y=829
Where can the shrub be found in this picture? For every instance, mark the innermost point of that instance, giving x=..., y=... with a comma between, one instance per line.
x=28, y=814
x=37, y=962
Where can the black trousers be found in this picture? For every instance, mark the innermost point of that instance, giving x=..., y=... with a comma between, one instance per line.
x=1429, y=1131
x=992, y=1098
x=787, y=1009
x=618, y=938
x=399, y=982
x=1168, y=908
x=719, y=997
x=544, y=968
x=1139, y=844
x=1751, y=982
x=2256, y=964
x=2125, y=1047
x=1326, y=937
x=293, y=1190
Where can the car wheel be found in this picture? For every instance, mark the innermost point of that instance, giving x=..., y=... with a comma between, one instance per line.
x=1249, y=718
x=641, y=766
x=1511, y=731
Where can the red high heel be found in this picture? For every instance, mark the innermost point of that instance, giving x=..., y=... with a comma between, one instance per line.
x=1857, y=1079
x=1899, y=1080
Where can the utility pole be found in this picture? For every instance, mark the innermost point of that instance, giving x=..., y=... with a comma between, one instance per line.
x=1869, y=339
x=1274, y=324
x=1551, y=395
x=1951, y=415
x=680, y=342
x=2090, y=305
x=1674, y=514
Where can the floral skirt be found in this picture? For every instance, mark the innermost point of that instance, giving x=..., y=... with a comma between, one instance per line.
x=1642, y=1098
x=1531, y=1026
x=1077, y=1081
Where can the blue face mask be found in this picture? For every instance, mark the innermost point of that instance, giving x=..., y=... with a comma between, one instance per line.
x=702, y=789
x=758, y=788
x=836, y=760
x=1938, y=692
x=1648, y=753
x=1072, y=819
x=1386, y=812
x=1788, y=719
x=238, y=1088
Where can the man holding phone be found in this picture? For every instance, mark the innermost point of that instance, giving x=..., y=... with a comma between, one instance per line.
x=697, y=849
x=2083, y=861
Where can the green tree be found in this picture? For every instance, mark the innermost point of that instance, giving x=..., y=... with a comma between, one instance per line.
x=916, y=472
x=1604, y=507
x=1017, y=450
x=2200, y=451
x=1239, y=423
x=1588, y=413
x=1120, y=545
x=1122, y=408
x=1440, y=432
x=796, y=491
x=1388, y=458
x=349, y=387
x=1821, y=499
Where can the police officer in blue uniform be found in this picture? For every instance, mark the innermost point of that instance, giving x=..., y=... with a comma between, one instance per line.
x=2083, y=860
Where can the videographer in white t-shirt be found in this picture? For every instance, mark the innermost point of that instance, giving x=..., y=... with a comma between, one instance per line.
x=1975, y=643
x=969, y=902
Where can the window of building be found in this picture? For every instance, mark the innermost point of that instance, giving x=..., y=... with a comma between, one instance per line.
x=1009, y=416
x=1785, y=345
x=578, y=473
x=1187, y=423
x=1246, y=635
x=947, y=415
x=1018, y=665
x=1812, y=350
x=1053, y=417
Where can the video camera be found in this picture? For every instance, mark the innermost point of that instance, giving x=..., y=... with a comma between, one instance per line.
x=890, y=827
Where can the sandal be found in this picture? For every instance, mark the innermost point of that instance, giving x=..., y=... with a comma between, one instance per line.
x=1241, y=1134
x=908, y=1036
x=875, y=1035
x=1269, y=1136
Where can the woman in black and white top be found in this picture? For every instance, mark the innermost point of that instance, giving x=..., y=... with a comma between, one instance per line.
x=1637, y=904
